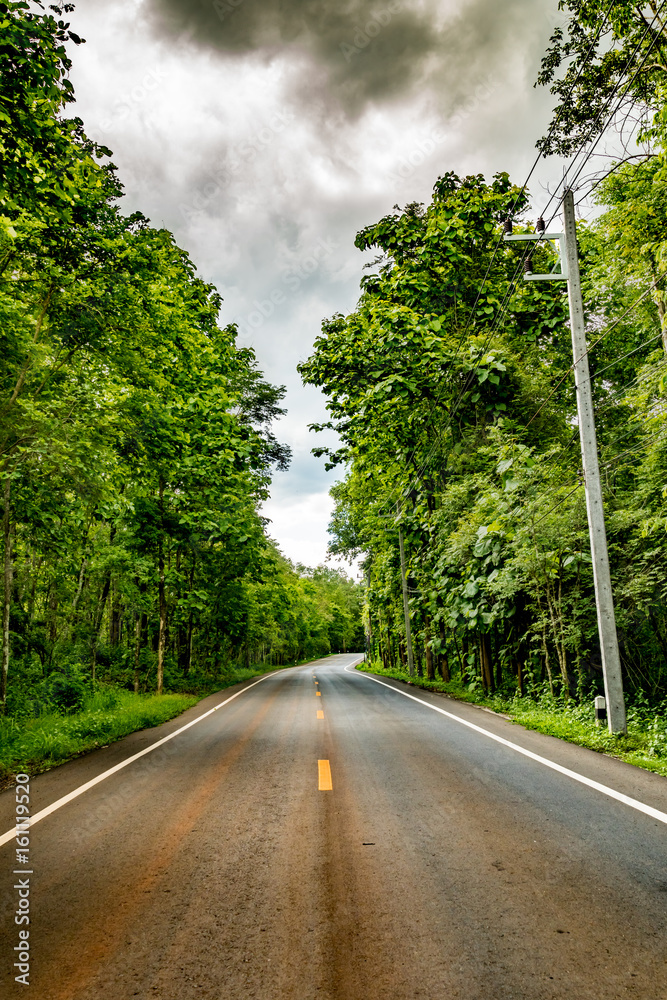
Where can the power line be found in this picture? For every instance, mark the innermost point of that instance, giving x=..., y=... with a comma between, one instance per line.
x=559, y=504
x=510, y=290
x=512, y=285
x=642, y=376
x=656, y=439
x=537, y=159
x=593, y=345
x=652, y=340
x=499, y=242
x=649, y=27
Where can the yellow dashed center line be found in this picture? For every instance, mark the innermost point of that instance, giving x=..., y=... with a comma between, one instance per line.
x=324, y=776
x=320, y=713
x=318, y=694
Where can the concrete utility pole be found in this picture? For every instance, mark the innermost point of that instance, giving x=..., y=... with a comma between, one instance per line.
x=604, y=599
x=406, y=609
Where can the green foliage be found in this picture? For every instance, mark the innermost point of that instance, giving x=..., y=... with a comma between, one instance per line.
x=644, y=745
x=608, y=57
x=106, y=716
x=450, y=386
x=66, y=693
x=136, y=441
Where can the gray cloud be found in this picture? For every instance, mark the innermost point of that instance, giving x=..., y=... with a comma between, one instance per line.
x=265, y=146
x=363, y=50
x=353, y=53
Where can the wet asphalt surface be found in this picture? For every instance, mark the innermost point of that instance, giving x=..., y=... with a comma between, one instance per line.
x=440, y=865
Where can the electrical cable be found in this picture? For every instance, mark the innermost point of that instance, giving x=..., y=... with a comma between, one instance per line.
x=588, y=351
x=656, y=439
x=556, y=506
x=510, y=290
x=500, y=241
x=570, y=184
x=642, y=376
x=658, y=336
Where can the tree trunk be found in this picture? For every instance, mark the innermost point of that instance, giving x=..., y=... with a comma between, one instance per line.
x=114, y=618
x=97, y=624
x=401, y=654
x=77, y=598
x=557, y=628
x=162, y=601
x=519, y=677
x=547, y=663
x=428, y=652
x=487, y=664
x=16, y=583
x=188, y=647
x=499, y=662
x=52, y=605
x=7, y=592
x=35, y=564
x=137, y=651
x=99, y=617
x=462, y=669
x=442, y=659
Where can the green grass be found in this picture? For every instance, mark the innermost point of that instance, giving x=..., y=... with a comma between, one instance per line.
x=645, y=744
x=35, y=745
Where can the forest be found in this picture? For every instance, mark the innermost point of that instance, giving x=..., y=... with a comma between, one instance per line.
x=136, y=442
x=452, y=390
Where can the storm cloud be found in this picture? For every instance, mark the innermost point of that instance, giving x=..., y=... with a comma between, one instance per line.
x=352, y=53
x=265, y=134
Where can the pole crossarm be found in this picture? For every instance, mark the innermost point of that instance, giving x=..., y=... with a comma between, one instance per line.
x=552, y=238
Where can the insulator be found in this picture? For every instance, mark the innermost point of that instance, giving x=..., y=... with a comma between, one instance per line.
x=540, y=227
x=528, y=265
x=507, y=229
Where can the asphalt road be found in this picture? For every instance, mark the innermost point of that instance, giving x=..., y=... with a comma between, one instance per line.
x=441, y=863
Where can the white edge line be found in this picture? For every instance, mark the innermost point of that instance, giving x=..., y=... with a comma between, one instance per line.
x=582, y=779
x=59, y=803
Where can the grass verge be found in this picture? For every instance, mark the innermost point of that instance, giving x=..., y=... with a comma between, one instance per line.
x=35, y=745
x=644, y=746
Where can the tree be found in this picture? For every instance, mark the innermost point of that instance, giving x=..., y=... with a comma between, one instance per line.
x=136, y=440
x=615, y=67
x=466, y=417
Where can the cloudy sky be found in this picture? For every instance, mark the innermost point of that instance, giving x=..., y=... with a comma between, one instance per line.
x=266, y=133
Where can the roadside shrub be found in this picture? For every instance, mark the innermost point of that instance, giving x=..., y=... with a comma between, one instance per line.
x=66, y=693
x=657, y=737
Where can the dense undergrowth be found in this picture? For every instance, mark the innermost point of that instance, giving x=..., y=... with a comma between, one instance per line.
x=70, y=724
x=645, y=744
